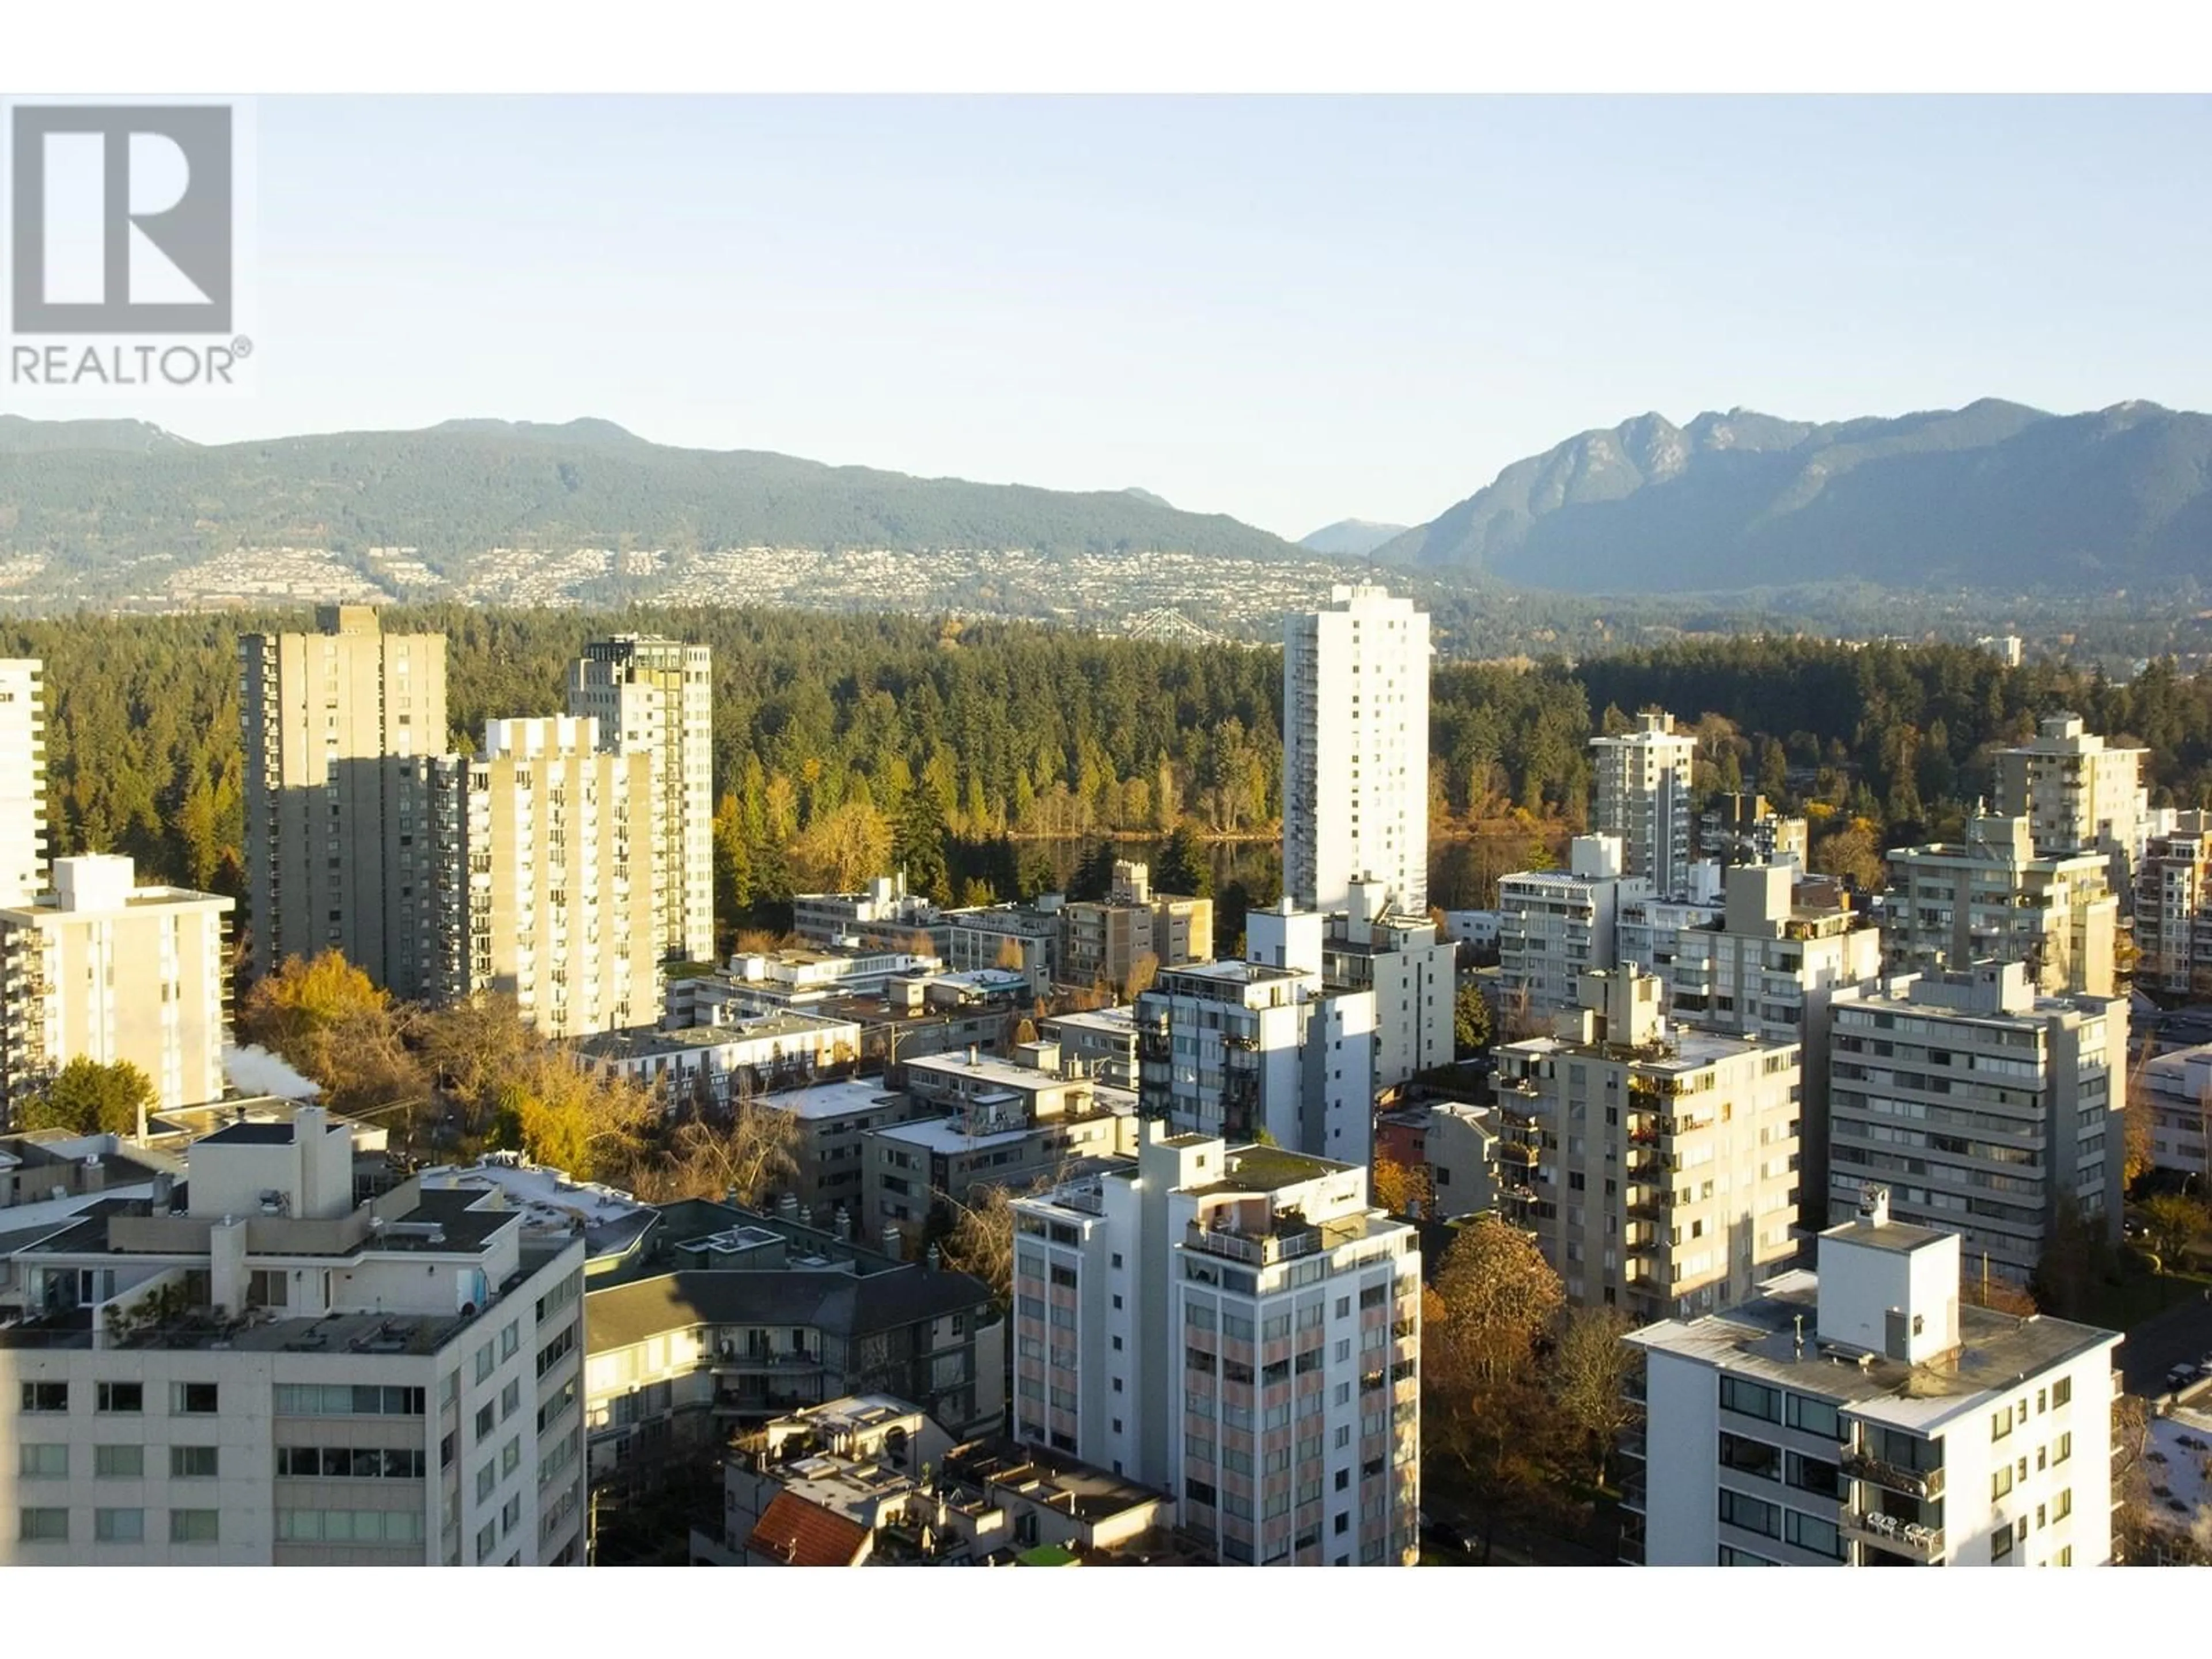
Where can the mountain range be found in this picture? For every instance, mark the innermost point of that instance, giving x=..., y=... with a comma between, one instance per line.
x=1350, y=538
x=81, y=491
x=1995, y=496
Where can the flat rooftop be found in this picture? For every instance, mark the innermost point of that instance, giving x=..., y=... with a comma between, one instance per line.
x=989, y=1068
x=1270, y=1169
x=820, y=1102
x=1898, y=1236
x=946, y=1135
x=647, y=1041
x=1235, y=973
x=1688, y=1048
x=1053, y=1479
x=548, y=1201
x=1758, y=1339
x=1117, y=1022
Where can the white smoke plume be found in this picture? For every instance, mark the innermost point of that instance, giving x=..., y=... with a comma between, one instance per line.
x=255, y=1071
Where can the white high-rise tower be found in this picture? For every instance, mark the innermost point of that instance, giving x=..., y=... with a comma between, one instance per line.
x=1356, y=750
x=23, y=782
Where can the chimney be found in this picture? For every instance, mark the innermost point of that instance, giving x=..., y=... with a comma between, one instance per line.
x=842, y=1223
x=787, y=1206
x=96, y=1176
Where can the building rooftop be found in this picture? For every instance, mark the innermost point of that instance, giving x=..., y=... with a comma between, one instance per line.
x=1684, y=1049
x=552, y=1205
x=1897, y=1236
x=251, y=1134
x=1053, y=1480
x=646, y=1041
x=799, y=1533
x=990, y=1068
x=950, y=1134
x=842, y=1302
x=1758, y=1339
x=1118, y=1022
x=820, y=1102
x=1268, y=1168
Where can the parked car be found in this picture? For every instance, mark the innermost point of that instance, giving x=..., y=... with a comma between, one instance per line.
x=2180, y=1378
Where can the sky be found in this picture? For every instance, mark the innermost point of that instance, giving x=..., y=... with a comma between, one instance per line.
x=1289, y=310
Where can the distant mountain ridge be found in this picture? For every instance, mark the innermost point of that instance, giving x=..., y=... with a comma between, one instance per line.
x=1349, y=538
x=84, y=492
x=1995, y=494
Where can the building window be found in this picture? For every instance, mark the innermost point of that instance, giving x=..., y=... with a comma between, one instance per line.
x=43, y=1462
x=44, y=1526
x=191, y=1462
x=45, y=1396
x=119, y=1526
x=118, y=1462
x=2061, y=1391
x=122, y=1399
x=193, y=1399
x=195, y=1525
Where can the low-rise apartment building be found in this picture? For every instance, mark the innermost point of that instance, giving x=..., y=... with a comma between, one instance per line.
x=1102, y=1041
x=727, y=1059
x=991, y=1122
x=870, y=1481
x=1865, y=1417
x=252, y=1369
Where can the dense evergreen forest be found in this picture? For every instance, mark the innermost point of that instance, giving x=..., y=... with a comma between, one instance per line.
x=841, y=741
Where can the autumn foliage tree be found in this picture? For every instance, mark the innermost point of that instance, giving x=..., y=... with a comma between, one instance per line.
x=324, y=1016
x=1493, y=1302
x=1590, y=1370
x=1401, y=1188
x=558, y=1114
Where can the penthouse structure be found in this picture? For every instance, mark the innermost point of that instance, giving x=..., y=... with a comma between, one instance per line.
x=1237, y=1326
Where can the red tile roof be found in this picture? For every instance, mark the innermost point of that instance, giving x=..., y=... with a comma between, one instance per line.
x=797, y=1534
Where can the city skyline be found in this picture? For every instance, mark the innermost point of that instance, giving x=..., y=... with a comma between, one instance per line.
x=1291, y=310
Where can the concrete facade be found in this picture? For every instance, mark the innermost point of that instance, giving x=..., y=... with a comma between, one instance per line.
x=328, y=826
x=655, y=697
x=1356, y=750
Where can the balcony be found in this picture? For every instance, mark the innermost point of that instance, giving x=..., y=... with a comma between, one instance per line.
x=1286, y=1244
x=1905, y=1538
x=1926, y=1484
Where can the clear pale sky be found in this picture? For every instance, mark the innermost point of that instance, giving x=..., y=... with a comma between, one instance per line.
x=1289, y=310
